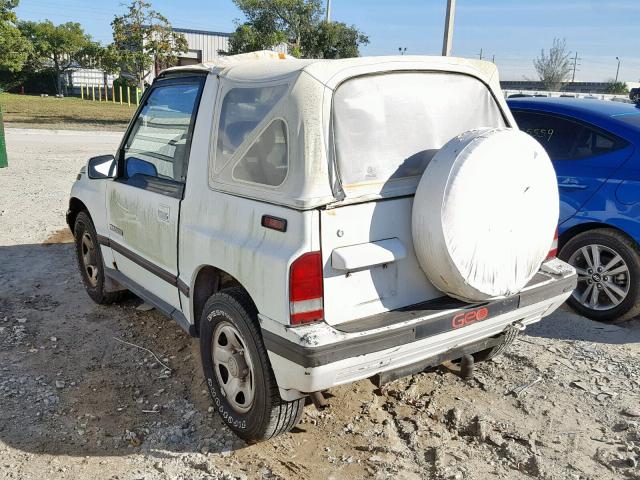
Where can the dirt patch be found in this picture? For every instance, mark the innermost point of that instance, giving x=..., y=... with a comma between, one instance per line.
x=63, y=235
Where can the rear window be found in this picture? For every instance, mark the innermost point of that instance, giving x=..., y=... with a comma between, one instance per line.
x=389, y=126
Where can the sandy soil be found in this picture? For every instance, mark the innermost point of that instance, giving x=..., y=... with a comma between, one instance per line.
x=76, y=402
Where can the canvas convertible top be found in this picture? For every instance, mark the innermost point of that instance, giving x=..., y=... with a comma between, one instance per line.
x=267, y=65
x=291, y=101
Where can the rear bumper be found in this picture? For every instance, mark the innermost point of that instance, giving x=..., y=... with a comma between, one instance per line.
x=319, y=356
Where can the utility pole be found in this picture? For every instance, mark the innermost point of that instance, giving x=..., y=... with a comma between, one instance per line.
x=328, y=11
x=481, y=54
x=448, y=28
x=575, y=64
x=493, y=58
x=618, y=69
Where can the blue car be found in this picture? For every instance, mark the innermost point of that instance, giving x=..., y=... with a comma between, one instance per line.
x=595, y=149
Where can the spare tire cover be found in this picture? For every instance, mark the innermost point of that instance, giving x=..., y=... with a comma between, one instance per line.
x=485, y=213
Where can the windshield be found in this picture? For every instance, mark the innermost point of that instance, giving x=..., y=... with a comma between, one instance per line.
x=388, y=127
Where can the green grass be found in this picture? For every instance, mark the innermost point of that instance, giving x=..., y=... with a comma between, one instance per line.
x=29, y=111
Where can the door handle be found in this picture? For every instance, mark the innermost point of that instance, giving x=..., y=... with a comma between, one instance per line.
x=573, y=186
x=164, y=213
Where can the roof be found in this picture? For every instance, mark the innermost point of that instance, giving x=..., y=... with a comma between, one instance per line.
x=601, y=112
x=601, y=108
x=201, y=32
x=267, y=65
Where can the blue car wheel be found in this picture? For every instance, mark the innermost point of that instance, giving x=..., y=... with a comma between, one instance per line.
x=608, y=266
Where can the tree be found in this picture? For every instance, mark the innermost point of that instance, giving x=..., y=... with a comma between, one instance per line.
x=58, y=48
x=334, y=40
x=554, y=69
x=248, y=38
x=143, y=39
x=615, y=87
x=14, y=48
x=299, y=24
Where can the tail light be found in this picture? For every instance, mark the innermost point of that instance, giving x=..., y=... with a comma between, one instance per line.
x=554, y=247
x=305, y=289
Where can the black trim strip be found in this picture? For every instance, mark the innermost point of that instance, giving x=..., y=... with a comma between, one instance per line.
x=316, y=356
x=183, y=287
x=163, y=186
x=102, y=240
x=152, y=299
x=435, y=309
x=146, y=264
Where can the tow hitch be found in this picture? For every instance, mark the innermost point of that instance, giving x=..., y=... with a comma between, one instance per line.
x=318, y=400
x=466, y=366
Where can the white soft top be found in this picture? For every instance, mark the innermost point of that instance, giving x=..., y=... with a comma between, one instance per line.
x=266, y=65
x=312, y=178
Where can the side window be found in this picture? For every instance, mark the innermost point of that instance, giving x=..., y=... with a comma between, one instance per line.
x=592, y=143
x=565, y=139
x=241, y=112
x=266, y=162
x=557, y=135
x=158, y=145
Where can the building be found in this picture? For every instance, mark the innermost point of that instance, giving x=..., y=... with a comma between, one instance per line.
x=204, y=46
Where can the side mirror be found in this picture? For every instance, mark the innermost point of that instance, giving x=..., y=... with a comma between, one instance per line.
x=102, y=167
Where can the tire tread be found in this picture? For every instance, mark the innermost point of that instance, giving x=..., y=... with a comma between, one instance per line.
x=284, y=415
x=99, y=296
x=634, y=269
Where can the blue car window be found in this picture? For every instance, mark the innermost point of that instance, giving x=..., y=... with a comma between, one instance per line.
x=565, y=139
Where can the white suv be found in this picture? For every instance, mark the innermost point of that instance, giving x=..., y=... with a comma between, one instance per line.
x=269, y=206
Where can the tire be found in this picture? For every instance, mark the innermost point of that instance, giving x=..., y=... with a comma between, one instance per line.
x=623, y=286
x=90, y=261
x=254, y=410
x=506, y=339
x=466, y=249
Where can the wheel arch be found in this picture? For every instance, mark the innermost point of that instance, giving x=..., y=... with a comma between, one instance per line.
x=586, y=227
x=75, y=207
x=207, y=281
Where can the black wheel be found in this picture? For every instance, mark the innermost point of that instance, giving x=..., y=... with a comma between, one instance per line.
x=90, y=261
x=608, y=266
x=238, y=372
x=506, y=339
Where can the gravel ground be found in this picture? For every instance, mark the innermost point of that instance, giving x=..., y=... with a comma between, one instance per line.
x=76, y=402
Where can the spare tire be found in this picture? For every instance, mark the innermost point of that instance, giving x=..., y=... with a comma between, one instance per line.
x=485, y=213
